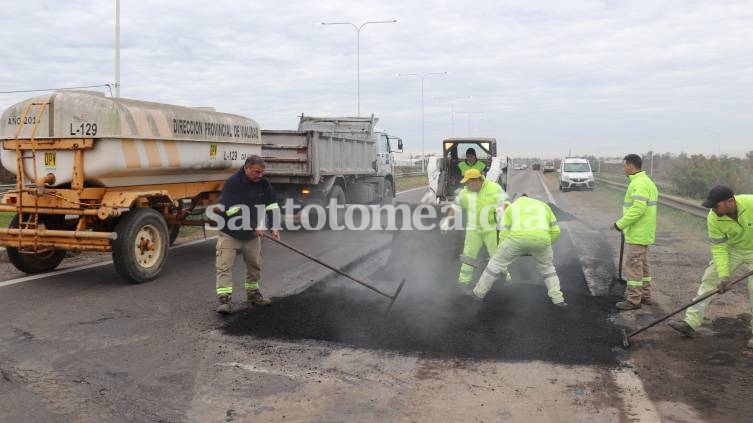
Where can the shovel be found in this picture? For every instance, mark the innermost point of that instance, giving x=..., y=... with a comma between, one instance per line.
x=619, y=278
x=392, y=298
x=626, y=336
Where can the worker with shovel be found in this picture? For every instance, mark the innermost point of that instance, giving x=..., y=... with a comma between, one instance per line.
x=730, y=228
x=638, y=225
x=479, y=200
x=242, y=231
x=528, y=228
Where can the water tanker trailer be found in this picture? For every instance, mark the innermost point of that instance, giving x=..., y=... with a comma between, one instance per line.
x=111, y=174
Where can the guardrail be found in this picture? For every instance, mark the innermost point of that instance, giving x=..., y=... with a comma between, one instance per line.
x=672, y=201
x=6, y=187
x=411, y=173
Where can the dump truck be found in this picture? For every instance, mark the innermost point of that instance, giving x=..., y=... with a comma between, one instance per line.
x=111, y=174
x=444, y=173
x=340, y=159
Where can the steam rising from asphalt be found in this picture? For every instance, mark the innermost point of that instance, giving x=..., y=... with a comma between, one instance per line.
x=433, y=318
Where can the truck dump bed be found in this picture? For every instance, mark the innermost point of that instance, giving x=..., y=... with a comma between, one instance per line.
x=320, y=147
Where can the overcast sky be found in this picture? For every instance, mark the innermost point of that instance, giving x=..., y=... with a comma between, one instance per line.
x=546, y=78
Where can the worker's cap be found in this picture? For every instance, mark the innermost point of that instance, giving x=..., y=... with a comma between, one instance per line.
x=471, y=174
x=717, y=194
x=471, y=151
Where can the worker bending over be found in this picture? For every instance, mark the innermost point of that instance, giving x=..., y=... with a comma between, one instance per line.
x=730, y=227
x=528, y=227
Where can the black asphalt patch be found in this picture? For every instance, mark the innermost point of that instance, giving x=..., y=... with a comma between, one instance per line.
x=432, y=318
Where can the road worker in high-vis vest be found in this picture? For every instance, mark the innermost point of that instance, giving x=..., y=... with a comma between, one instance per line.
x=471, y=162
x=730, y=228
x=478, y=200
x=638, y=226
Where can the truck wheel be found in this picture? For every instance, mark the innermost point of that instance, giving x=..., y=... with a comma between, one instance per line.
x=141, y=248
x=388, y=196
x=37, y=262
x=338, y=195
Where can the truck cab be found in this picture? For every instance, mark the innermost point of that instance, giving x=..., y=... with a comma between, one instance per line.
x=387, y=146
x=444, y=173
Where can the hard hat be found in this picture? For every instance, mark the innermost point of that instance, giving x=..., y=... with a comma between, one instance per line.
x=471, y=174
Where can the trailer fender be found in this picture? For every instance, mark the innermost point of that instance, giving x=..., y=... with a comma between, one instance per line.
x=114, y=202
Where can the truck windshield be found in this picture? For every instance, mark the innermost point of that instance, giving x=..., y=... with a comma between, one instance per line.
x=577, y=167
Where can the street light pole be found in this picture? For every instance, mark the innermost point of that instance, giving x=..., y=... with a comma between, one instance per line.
x=358, y=53
x=421, y=78
x=452, y=110
x=117, y=48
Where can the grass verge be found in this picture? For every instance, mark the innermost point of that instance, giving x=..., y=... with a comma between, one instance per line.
x=408, y=182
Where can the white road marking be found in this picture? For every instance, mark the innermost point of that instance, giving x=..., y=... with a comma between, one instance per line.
x=543, y=184
x=83, y=267
x=638, y=406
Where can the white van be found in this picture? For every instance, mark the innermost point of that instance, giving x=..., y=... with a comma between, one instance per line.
x=575, y=173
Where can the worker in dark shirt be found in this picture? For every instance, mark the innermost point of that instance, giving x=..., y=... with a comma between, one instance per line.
x=244, y=195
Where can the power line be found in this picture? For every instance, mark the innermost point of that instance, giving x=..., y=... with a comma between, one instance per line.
x=109, y=86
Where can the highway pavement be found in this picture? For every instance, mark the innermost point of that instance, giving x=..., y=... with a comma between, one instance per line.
x=86, y=346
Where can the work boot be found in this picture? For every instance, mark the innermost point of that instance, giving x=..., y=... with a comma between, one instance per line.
x=469, y=293
x=646, y=295
x=561, y=304
x=632, y=299
x=224, y=307
x=683, y=327
x=627, y=305
x=253, y=296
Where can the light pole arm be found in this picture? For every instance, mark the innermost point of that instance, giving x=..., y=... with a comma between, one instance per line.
x=358, y=54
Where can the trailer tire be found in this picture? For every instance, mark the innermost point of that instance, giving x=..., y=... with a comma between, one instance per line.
x=41, y=262
x=173, y=232
x=140, y=250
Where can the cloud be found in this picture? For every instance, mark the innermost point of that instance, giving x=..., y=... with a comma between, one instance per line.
x=547, y=75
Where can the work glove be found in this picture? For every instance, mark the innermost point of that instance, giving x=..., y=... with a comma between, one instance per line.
x=500, y=213
x=724, y=285
x=445, y=224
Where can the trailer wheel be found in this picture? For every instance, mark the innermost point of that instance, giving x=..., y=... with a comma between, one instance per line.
x=37, y=262
x=141, y=248
x=173, y=231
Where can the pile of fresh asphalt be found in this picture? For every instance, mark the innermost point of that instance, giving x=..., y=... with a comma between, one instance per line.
x=432, y=318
